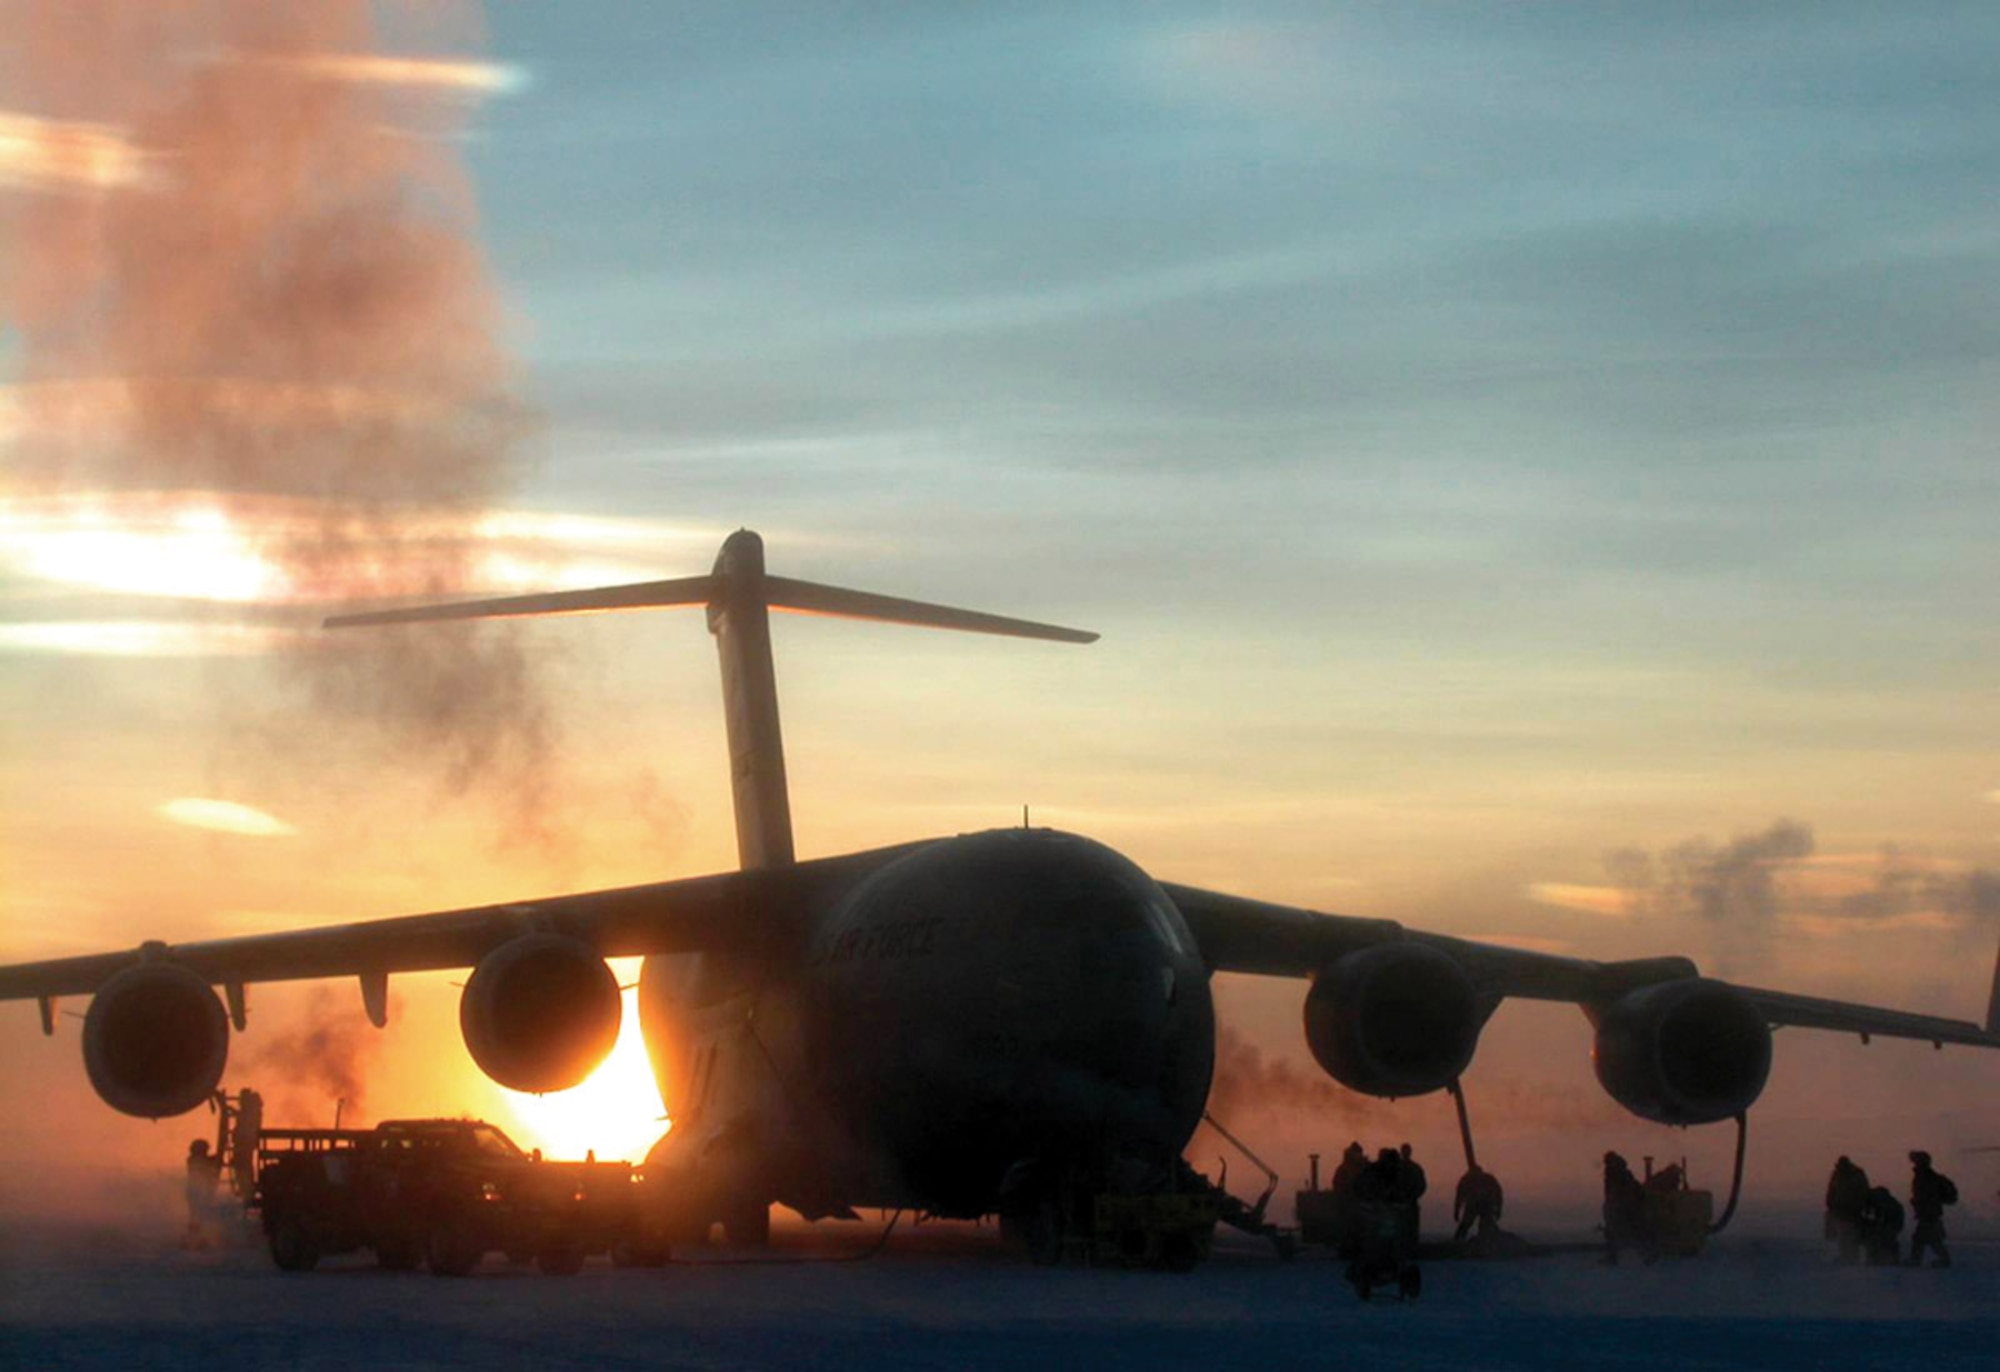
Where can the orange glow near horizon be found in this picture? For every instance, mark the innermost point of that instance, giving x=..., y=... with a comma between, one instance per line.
x=615, y=1112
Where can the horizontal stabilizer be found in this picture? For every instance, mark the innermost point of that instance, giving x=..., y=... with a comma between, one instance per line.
x=777, y=592
x=687, y=590
x=816, y=598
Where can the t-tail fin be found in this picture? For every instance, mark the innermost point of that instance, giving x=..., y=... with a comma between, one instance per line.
x=739, y=595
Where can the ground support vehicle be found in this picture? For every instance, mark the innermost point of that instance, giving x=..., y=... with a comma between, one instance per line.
x=1384, y=1251
x=1169, y=1229
x=1678, y=1220
x=439, y=1193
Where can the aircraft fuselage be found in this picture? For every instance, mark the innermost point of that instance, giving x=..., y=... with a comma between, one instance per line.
x=1010, y=999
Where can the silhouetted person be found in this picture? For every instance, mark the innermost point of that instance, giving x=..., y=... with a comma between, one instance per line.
x=1882, y=1227
x=1380, y=1181
x=1411, y=1183
x=244, y=1136
x=203, y=1172
x=1846, y=1197
x=1930, y=1192
x=1346, y=1177
x=1624, y=1209
x=1478, y=1202
x=1352, y=1163
x=1384, y=1240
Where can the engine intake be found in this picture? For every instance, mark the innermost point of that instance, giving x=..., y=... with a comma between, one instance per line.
x=1689, y=1051
x=539, y=1013
x=1398, y=1019
x=155, y=1040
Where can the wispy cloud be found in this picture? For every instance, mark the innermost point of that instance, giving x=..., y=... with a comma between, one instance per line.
x=461, y=77
x=58, y=155
x=1756, y=884
x=224, y=816
x=1614, y=901
x=195, y=545
x=1839, y=926
x=141, y=638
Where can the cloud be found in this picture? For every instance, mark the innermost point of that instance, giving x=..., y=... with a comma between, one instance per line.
x=1747, y=889
x=224, y=816
x=233, y=549
x=1591, y=900
x=60, y=155
x=322, y=345
x=142, y=638
x=469, y=79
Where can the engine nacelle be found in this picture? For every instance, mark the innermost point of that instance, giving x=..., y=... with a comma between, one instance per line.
x=539, y=1013
x=1398, y=1019
x=155, y=1040
x=1688, y=1051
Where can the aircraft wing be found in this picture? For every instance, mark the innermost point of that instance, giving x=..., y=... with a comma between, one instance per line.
x=710, y=913
x=1239, y=935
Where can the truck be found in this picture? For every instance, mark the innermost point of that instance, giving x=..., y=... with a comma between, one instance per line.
x=440, y=1193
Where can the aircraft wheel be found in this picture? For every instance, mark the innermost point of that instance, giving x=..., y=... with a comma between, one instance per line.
x=1180, y=1253
x=1042, y=1230
x=399, y=1254
x=560, y=1260
x=452, y=1250
x=292, y=1246
x=638, y=1253
x=748, y=1225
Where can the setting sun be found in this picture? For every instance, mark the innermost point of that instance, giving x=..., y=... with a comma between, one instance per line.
x=615, y=1112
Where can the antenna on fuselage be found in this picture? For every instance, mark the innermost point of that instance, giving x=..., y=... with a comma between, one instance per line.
x=739, y=595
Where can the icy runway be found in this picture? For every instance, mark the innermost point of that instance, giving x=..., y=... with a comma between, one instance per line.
x=945, y=1297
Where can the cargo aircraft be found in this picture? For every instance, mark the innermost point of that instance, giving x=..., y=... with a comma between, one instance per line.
x=988, y=1023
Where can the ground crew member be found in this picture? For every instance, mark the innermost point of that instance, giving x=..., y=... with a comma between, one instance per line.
x=1353, y=1163
x=1882, y=1228
x=1411, y=1183
x=1478, y=1202
x=1930, y=1192
x=243, y=1139
x=1624, y=1209
x=1846, y=1197
x=203, y=1172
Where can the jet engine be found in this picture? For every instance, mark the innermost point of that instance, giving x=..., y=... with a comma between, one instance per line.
x=1688, y=1051
x=540, y=1012
x=1398, y=1019
x=155, y=1040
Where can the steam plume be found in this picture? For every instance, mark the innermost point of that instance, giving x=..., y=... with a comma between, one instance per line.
x=1248, y=1086
x=1733, y=887
x=1746, y=889
x=244, y=230
x=305, y=1069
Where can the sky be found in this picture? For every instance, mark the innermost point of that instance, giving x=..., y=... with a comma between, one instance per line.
x=1533, y=470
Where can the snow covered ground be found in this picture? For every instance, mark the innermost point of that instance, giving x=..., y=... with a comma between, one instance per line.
x=951, y=1297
